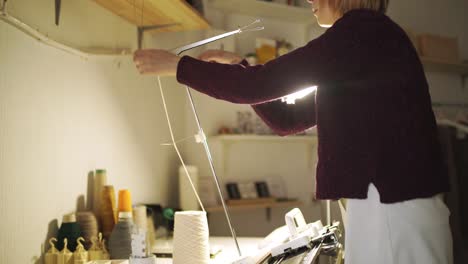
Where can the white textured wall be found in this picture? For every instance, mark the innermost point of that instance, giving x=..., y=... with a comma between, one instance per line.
x=62, y=116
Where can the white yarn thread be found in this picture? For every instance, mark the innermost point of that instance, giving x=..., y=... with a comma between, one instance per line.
x=191, y=244
x=175, y=145
x=186, y=201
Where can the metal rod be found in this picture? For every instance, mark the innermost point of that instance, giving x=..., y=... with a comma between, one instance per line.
x=215, y=177
x=179, y=51
x=247, y=28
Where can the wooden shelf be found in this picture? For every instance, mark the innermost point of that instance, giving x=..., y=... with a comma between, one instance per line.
x=226, y=141
x=432, y=65
x=265, y=138
x=270, y=205
x=266, y=10
x=157, y=12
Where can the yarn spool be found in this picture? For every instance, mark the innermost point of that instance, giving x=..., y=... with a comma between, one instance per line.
x=88, y=225
x=100, y=180
x=108, y=212
x=105, y=253
x=80, y=256
x=151, y=233
x=191, y=244
x=140, y=218
x=120, y=240
x=52, y=254
x=69, y=229
x=95, y=252
x=65, y=256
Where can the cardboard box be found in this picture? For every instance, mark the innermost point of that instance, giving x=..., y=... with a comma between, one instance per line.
x=444, y=49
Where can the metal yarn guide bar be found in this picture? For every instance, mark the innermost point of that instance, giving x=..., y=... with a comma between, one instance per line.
x=201, y=134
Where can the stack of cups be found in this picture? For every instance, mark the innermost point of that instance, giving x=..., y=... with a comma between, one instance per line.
x=191, y=243
x=88, y=225
x=108, y=214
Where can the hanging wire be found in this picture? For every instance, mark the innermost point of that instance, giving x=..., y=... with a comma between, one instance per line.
x=215, y=177
x=177, y=141
x=142, y=8
x=175, y=144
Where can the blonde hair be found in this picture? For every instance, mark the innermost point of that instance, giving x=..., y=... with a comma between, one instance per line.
x=346, y=5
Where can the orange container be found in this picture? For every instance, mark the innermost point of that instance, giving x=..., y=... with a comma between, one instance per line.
x=444, y=49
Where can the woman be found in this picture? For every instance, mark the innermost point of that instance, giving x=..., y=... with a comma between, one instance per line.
x=377, y=133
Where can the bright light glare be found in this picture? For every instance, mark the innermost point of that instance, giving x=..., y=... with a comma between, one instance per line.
x=291, y=99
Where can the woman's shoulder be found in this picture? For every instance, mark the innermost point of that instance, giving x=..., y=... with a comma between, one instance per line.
x=375, y=36
x=370, y=21
x=372, y=27
x=366, y=14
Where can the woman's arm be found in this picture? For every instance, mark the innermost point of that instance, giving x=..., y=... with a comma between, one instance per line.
x=333, y=57
x=344, y=52
x=286, y=119
x=282, y=118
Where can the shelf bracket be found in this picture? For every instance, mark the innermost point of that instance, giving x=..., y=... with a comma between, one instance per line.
x=268, y=213
x=4, y=3
x=141, y=30
x=58, y=5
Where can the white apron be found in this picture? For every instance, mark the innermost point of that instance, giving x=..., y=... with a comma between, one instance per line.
x=410, y=232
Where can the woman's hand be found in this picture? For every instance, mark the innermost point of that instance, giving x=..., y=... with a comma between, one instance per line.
x=220, y=56
x=155, y=61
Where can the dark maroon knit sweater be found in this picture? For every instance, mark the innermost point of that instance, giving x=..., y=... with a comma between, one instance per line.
x=372, y=107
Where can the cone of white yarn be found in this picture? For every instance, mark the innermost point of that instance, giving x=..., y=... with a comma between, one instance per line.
x=139, y=217
x=191, y=233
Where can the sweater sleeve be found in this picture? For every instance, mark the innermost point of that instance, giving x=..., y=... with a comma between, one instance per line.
x=331, y=57
x=286, y=119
